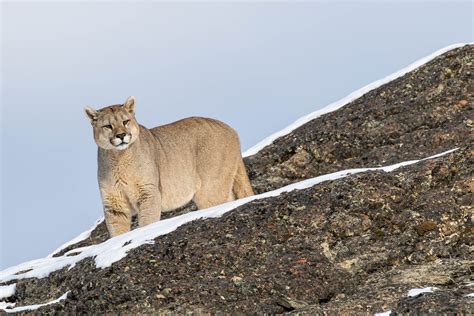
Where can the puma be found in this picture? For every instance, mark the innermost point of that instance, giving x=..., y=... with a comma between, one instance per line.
x=145, y=171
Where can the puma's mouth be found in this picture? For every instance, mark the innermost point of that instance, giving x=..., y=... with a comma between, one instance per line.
x=122, y=145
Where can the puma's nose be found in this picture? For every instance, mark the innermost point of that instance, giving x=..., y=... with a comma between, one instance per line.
x=121, y=136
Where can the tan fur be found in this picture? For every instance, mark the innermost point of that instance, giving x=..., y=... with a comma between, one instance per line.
x=163, y=168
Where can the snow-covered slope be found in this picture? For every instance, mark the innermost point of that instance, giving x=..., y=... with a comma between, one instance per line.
x=301, y=121
x=116, y=248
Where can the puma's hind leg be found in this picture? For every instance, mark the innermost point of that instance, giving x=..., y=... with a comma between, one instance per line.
x=241, y=186
x=212, y=194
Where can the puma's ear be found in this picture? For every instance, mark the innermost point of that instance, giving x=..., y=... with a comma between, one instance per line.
x=129, y=105
x=91, y=113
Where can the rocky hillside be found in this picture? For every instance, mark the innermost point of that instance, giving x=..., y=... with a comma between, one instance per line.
x=425, y=112
x=352, y=245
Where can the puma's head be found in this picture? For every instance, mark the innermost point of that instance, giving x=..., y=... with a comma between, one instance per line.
x=115, y=126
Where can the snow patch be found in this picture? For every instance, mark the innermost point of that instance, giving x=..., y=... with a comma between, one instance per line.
x=351, y=97
x=6, y=307
x=387, y=313
x=7, y=290
x=80, y=237
x=416, y=292
x=117, y=248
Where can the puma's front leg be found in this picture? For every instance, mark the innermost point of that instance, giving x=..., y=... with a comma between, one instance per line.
x=118, y=216
x=149, y=204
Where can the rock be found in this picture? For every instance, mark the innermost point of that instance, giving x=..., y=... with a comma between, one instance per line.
x=290, y=304
x=463, y=102
x=425, y=227
x=166, y=291
x=237, y=280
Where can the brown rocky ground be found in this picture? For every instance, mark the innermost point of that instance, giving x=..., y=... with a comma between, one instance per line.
x=354, y=245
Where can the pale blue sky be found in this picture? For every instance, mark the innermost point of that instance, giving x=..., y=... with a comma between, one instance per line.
x=257, y=66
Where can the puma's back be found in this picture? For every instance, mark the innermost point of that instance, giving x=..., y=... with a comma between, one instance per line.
x=203, y=155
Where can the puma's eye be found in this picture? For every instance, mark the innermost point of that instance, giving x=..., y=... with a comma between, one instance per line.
x=126, y=122
x=107, y=126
